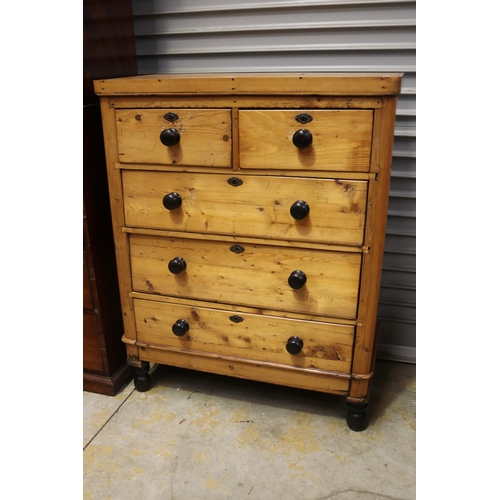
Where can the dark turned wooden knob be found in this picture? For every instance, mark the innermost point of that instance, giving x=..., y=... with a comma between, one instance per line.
x=302, y=138
x=171, y=201
x=297, y=279
x=294, y=345
x=180, y=327
x=177, y=265
x=299, y=210
x=170, y=137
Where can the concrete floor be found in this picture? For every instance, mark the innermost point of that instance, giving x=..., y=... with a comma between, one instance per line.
x=197, y=436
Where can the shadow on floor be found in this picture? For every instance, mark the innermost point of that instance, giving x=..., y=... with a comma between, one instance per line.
x=389, y=380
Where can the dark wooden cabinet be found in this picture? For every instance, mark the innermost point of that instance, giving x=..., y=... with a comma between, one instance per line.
x=108, y=52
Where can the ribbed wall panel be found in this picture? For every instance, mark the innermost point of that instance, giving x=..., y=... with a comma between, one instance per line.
x=193, y=36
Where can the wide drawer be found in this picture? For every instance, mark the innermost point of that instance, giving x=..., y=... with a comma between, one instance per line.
x=204, y=136
x=261, y=206
x=250, y=336
x=341, y=139
x=253, y=275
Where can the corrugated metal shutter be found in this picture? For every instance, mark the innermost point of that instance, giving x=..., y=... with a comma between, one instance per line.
x=189, y=36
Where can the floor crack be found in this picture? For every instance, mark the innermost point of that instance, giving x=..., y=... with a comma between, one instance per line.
x=105, y=423
x=365, y=495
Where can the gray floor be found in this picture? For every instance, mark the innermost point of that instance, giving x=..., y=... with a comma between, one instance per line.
x=197, y=436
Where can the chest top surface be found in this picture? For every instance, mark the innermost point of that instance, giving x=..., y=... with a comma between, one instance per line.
x=340, y=84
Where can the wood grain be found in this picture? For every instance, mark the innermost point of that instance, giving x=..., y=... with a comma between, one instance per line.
x=348, y=84
x=257, y=337
x=311, y=379
x=259, y=207
x=378, y=199
x=205, y=137
x=341, y=140
x=257, y=277
x=117, y=218
x=202, y=101
x=261, y=311
x=245, y=123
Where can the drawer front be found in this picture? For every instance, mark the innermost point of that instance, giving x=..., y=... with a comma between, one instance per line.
x=341, y=140
x=264, y=338
x=253, y=275
x=204, y=136
x=260, y=206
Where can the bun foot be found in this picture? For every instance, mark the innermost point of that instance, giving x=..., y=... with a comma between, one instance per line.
x=142, y=379
x=357, y=416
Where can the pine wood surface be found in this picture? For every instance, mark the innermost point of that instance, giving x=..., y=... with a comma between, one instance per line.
x=260, y=207
x=116, y=202
x=341, y=140
x=339, y=246
x=244, y=101
x=331, y=247
x=326, y=346
x=261, y=371
x=257, y=277
x=205, y=137
x=238, y=308
x=378, y=198
x=338, y=84
x=278, y=170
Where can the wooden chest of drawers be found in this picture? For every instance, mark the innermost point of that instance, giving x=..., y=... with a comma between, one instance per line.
x=249, y=216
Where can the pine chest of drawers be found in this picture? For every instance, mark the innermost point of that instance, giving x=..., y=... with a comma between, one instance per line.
x=249, y=219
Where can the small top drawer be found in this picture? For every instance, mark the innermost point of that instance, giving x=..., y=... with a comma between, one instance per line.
x=306, y=140
x=200, y=137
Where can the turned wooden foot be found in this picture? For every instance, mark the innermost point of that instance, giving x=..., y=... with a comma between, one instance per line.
x=142, y=379
x=357, y=416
